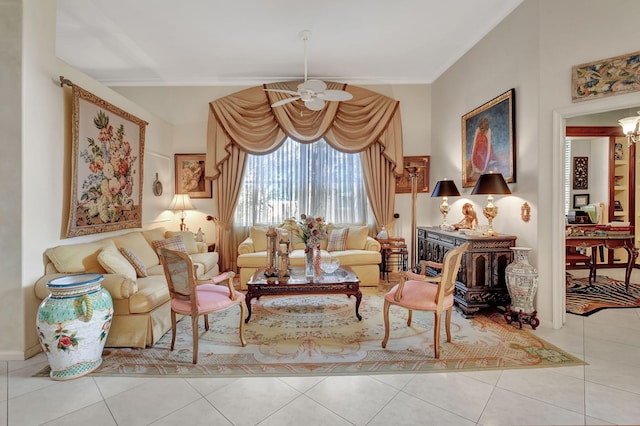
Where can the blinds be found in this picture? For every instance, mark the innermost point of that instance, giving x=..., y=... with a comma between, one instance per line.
x=314, y=179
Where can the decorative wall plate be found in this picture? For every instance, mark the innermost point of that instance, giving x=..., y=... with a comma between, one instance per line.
x=157, y=187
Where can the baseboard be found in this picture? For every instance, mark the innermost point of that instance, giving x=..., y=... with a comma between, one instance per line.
x=20, y=356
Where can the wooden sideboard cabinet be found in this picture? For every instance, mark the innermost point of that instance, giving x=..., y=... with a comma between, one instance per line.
x=481, y=280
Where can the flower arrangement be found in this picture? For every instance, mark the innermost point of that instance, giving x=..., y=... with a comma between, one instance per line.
x=312, y=230
x=110, y=160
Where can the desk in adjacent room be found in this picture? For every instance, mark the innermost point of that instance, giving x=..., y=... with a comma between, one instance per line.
x=610, y=241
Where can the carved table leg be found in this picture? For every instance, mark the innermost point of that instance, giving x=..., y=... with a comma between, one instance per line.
x=358, y=300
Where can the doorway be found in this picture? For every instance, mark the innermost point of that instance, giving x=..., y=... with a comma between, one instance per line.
x=560, y=116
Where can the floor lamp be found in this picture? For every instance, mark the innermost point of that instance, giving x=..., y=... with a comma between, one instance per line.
x=413, y=169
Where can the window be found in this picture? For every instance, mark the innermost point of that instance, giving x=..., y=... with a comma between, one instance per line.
x=297, y=178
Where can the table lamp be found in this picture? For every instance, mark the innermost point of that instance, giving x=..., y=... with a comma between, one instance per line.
x=490, y=184
x=445, y=188
x=181, y=202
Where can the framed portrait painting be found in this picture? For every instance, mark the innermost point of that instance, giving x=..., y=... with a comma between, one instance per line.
x=106, y=166
x=420, y=166
x=190, y=176
x=488, y=140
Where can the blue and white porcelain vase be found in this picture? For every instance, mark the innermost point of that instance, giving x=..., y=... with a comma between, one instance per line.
x=73, y=323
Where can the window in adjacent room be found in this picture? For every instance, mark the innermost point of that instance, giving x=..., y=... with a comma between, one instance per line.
x=298, y=178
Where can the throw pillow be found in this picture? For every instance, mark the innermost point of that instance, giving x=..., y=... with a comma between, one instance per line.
x=114, y=263
x=188, y=239
x=136, y=242
x=135, y=261
x=258, y=234
x=175, y=244
x=338, y=239
x=357, y=238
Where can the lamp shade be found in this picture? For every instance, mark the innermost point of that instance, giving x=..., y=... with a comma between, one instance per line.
x=491, y=183
x=445, y=188
x=181, y=202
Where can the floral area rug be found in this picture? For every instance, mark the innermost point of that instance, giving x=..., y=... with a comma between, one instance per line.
x=585, y=299
x=320, y=335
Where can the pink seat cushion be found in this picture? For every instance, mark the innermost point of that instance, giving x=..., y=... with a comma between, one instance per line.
x=419, y=295
x=211, y=297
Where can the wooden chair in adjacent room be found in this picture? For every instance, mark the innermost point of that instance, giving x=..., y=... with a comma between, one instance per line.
x=573, y=258
x=416, y=292
x=193, y=297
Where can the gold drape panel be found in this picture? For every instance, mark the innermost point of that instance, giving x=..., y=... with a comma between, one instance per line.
x=244, y=122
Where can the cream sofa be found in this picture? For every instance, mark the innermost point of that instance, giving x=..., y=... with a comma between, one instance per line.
x=141, y=303
x=362, y=253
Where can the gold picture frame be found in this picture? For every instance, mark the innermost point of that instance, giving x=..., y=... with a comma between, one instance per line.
x=106, y=165
x=189, y=176
x=403, y=182
x=488, y=140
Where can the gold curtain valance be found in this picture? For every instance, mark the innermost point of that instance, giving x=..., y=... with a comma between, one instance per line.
x=244, y=123
x=246, y=119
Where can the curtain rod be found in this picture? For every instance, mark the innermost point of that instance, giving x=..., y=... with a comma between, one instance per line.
x=64, y=81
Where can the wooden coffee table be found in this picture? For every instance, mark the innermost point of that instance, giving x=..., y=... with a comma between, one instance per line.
x=343, y=281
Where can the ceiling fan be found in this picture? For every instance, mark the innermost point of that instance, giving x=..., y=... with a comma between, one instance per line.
x=312, y=92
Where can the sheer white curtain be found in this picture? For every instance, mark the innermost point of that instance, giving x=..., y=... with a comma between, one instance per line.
x=297, y=178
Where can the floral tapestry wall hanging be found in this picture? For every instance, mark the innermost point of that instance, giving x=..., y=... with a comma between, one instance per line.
x=106, y=166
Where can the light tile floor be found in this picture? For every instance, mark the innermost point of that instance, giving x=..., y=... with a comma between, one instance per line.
x=606, y=391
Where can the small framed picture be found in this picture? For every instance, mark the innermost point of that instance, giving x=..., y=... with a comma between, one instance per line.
x=580, y=200
x=190, y=176
x=418, y=165
x=618, y=153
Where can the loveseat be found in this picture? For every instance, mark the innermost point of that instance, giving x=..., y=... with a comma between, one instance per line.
x=358, y=251
x=133, y=276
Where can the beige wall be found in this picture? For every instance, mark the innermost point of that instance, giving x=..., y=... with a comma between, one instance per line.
x=11, y=183
x=506, y=58
x=36, y=159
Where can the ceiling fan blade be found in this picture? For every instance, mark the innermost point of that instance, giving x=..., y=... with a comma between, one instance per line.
x=314, y=104
x=335, y=95
x=285, y=101
x=289, y=92
x=314, y=85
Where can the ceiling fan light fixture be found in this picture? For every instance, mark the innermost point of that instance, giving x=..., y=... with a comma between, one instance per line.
x=312, y=92
x=315, y=104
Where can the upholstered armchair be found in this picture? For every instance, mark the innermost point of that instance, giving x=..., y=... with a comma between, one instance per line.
x=424, y=293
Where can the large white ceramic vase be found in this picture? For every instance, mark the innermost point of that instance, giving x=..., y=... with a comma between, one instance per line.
x=522, y=281
x=73, y=323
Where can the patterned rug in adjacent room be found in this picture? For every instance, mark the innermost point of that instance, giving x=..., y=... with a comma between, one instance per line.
x=584, y=299
x=320, y=335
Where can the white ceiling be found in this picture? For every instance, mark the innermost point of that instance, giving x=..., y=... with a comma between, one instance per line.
x=242, y=42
